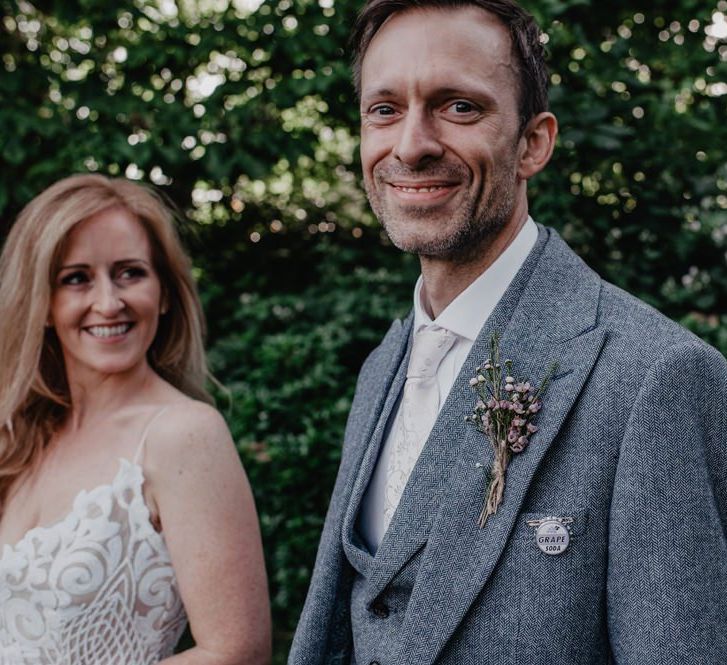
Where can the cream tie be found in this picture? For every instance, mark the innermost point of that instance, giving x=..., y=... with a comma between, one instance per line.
x=417, y=412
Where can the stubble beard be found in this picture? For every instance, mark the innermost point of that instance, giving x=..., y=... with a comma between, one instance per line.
x=472, y=227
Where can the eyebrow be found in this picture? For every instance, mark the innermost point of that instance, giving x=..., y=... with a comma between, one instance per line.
x=86, y=266
x=378, y=92
x=464, y=91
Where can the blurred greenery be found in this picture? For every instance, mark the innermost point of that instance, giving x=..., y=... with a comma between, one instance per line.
x=242, y=113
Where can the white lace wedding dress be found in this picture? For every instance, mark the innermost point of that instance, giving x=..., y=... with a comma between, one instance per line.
x=96, y=588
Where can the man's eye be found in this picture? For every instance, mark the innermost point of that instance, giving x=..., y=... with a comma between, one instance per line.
x=382, y=110
x=462, y=107
x=74, y=278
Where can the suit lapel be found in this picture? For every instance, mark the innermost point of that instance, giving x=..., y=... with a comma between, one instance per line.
x=371, y=436
x=552, y=308
x=378, y=392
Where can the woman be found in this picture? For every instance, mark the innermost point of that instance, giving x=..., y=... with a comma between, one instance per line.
x=123, y=502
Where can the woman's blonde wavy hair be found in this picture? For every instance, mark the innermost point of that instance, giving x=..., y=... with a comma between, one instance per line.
x=34, y=395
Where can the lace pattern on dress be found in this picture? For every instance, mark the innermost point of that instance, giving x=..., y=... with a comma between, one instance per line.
x=95, y=588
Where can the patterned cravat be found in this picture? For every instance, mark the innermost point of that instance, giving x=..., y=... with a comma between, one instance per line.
x=417, y=412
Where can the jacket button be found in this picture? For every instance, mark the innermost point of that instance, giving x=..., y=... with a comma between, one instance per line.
x=380, y=609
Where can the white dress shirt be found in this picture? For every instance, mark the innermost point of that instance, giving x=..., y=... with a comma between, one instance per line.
x=464, y=317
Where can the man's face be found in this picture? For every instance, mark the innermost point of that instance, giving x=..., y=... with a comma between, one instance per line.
x=439, y=129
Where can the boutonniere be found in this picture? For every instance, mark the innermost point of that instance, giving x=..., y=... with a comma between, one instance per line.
x=504, y=412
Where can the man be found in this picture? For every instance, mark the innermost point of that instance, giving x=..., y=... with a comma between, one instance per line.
x=608, y=543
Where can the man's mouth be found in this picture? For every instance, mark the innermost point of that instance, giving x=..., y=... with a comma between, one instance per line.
x=429, y=193
x=421, y=190
x=109, y=331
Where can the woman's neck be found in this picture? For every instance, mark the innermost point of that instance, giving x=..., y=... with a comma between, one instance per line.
x=94, y=395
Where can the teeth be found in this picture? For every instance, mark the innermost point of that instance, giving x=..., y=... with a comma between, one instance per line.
x=417, y=190
x=109, y=331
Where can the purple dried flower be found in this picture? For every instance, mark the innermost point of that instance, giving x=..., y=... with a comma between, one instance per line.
x=504, y=419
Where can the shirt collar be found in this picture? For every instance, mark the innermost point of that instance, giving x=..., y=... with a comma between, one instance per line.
x=467, y=313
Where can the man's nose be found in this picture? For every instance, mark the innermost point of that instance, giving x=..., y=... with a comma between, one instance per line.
x=418, y=141
x=107, y=299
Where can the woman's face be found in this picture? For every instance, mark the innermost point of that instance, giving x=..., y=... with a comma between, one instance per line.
x=106, y=297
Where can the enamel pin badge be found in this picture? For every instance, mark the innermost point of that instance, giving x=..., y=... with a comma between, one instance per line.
x=552, y=534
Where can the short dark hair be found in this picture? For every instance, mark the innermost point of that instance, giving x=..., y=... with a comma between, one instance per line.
x=525, y=35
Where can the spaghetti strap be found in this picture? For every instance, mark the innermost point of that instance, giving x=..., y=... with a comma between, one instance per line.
x=152, y=420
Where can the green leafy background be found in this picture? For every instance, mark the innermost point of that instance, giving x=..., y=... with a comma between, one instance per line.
x=242, y=113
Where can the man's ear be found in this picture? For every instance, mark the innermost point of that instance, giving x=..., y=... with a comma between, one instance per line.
x=536, y=144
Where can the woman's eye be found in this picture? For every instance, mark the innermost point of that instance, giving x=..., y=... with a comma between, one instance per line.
x=74, y=278
x=132, y=273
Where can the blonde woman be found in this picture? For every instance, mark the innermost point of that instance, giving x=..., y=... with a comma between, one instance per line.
x=124, y=507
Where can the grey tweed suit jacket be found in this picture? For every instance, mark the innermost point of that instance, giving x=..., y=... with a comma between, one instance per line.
x=632, y=444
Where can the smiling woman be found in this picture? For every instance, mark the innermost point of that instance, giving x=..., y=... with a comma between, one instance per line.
x=107, y=298
x=124, y=508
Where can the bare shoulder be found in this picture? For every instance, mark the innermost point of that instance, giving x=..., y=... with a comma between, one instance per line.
x=188, y=432
x=193, y=418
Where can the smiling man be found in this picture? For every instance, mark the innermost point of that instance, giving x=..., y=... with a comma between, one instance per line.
x=474, y=518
